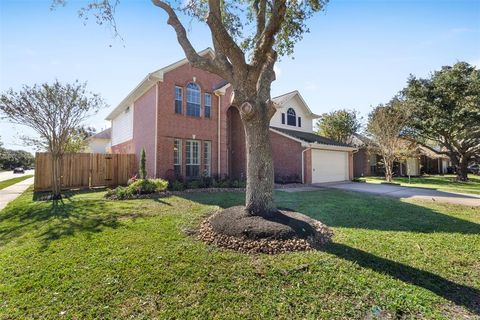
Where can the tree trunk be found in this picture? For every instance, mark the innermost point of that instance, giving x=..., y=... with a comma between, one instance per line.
x=388, y=170
x=462, y=173
x=56, y=176
x=260, y=179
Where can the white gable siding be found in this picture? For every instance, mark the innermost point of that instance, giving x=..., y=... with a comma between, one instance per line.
x=122, y=127
x=300, y=111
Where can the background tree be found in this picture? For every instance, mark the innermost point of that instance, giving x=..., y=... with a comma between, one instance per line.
x=386, y=123
x=54, y=111
x=10, y=159
x=446, y=110
x=248, y=37
x=338, y=125
x=77, y=140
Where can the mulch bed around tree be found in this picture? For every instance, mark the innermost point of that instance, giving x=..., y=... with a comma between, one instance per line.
x=286, y=231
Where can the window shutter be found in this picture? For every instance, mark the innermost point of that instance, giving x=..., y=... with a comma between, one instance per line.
x=283, y=118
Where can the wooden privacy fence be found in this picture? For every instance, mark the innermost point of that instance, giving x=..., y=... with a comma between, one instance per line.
x=85, y=170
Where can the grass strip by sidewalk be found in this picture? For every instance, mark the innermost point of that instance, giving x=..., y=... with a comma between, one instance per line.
x=9, y=182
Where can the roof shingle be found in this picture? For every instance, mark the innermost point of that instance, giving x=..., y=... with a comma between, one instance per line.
x=311, y=137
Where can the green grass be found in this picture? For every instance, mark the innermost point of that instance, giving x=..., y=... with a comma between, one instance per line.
x=91, y=258
x=9, y=182
x=445, y=183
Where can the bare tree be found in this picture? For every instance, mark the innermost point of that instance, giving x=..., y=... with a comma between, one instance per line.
x=55, y=111
x=248, y=37
x=386, y=124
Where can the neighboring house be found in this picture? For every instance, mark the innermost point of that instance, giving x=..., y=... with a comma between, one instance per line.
x=100, y=142
x=423, y=160
x=429, y=161
x=365, y=161
x=183, y=118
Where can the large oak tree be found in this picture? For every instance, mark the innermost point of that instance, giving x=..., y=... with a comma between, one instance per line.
x=446, y=111
x=248, y=38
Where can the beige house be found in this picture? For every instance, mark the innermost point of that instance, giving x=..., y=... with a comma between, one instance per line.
x=100, y=142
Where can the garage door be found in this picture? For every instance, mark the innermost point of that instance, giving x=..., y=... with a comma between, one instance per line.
x=329, y=166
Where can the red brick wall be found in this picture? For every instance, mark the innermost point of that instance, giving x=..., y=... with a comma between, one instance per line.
x=287, y=156
x=360, y=163
x=144, y=128
x=172, y=125
x=124, y=147
x=307, y=156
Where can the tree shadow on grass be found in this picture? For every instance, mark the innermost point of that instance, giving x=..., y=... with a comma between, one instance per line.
x=52, y=220
x=457, y=293
x=346, y=209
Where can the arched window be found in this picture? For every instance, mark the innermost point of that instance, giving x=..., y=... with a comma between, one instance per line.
x=193, y=100
x=291, y=117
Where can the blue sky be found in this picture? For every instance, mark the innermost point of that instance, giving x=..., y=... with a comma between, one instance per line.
x=357, y=55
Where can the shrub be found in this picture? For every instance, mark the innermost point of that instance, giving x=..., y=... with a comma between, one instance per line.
x=143, y=169
x=119, y=193
x=137, y=187
x=132, y=180
x=177, y=186
x=161, y=184
x=194, y=184
x=142, y=186
x=145, y=186
x=206, y=182
x=224, y=183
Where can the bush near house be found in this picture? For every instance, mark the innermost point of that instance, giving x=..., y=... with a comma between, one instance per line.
x=179, y=183
x=136, y=188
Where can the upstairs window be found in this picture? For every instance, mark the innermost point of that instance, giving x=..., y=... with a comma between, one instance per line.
x=208, y=105
x=291, y=117
x=193, y=100
x=178, y=100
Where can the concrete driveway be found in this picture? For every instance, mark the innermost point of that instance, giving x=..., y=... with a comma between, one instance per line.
x=405, y=192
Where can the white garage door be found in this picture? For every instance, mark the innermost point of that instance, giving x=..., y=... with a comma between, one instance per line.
x=329, y=166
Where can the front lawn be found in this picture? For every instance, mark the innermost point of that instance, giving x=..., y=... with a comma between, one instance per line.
x=9, y=182
x=92, y=258
x=439, y=182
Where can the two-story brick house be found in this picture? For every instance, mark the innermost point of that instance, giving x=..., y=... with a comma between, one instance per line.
x=183, y=118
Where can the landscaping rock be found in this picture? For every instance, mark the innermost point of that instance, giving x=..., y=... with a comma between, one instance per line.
x=286, y=231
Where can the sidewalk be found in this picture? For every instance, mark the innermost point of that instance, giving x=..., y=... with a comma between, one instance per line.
x=11, y=193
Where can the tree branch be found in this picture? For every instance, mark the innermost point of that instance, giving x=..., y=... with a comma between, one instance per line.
x=260, y=12
x=192, y=56
x=225, y=42
x=267, y=38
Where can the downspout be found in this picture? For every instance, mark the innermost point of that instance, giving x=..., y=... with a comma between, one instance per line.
x=218, y=133
x=303, y=164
